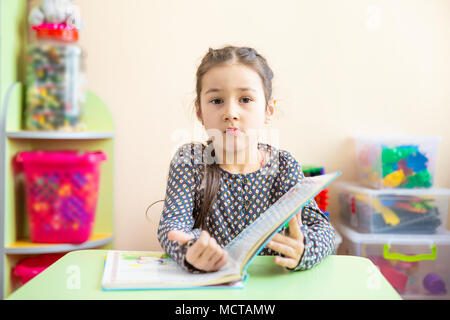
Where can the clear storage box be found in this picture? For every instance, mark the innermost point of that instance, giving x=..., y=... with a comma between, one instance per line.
x=416, y=266
x=413, y=211
x=396, y=161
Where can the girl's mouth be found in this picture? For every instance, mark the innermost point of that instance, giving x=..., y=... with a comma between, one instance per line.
x=233, y=131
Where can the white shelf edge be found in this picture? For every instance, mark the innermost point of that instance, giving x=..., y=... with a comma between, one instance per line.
x=59, y=135
x=441, y=237
x=54, y=248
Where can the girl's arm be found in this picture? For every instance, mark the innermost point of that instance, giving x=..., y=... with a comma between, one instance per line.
x=318, y=234
x=179, y=204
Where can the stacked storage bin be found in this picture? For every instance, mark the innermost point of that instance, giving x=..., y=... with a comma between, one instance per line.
x=322, y=198
x=396, y=217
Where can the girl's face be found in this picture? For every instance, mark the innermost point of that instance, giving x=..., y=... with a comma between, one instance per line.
x=232, y=96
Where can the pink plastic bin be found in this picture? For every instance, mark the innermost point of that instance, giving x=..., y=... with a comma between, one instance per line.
x=26, y=269
x=61, y=193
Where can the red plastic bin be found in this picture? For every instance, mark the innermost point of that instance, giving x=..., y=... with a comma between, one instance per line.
x=61, y=193
x=26, y=269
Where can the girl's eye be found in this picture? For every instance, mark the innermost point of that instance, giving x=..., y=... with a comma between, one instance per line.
x=246, y=100
x=216, y=101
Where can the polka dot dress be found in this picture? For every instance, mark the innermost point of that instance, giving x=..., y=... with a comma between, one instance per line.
x=240, y=200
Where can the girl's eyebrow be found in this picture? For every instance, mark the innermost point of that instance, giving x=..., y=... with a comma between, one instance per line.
x=241, y=89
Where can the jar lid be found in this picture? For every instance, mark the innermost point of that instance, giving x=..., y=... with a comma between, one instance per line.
x=56, y=31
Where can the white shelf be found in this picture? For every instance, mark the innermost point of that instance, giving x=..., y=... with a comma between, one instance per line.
x=52, y=135
x=14, y=139
x=26, y=247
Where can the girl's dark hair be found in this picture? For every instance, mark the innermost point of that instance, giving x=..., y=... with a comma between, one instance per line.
x=216, y=57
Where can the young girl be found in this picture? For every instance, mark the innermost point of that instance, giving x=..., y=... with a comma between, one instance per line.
x=211, y=198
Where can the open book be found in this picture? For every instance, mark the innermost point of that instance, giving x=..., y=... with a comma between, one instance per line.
x=128, y=270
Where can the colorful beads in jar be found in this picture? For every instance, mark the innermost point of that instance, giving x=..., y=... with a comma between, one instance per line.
x=54, y=95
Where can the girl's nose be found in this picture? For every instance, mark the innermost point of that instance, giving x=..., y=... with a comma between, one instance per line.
x=230, y=113
x=228, y=117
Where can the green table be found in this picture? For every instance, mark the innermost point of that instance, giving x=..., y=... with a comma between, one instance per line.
x=78, y=276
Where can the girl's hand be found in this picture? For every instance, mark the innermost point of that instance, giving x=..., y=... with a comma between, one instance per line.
x=291, y=246
x=205, y=254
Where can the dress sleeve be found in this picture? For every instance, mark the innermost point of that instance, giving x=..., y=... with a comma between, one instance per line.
x=179, y=204
x=319, y=235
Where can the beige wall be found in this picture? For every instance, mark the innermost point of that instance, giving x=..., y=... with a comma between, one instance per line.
x=341, y=68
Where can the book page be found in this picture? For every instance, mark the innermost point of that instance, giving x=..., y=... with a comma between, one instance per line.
x=248, y=243
x=134, y=270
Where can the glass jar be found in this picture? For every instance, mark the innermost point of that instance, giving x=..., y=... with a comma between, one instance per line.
x=55, y=83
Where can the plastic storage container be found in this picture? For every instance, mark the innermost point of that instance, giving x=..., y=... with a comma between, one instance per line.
x=322, y=199
x=416, y=266
x=61, y=193
x=55, y=82
x=413, y=211
x=26, y=269
x=397, y=161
